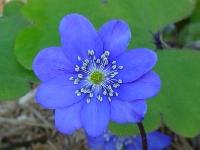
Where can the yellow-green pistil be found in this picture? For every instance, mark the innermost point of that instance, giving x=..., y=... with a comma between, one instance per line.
x=96, y=77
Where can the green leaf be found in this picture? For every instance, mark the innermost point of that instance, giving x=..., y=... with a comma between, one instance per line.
x=151, y=122
x=178, y=102
x=190, y=35
x=196, y=13
x=144, y=18
x=13, y=78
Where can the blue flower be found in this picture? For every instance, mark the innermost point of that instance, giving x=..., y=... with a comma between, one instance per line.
x=108, y=141
x=91, y=78
x=155, y=140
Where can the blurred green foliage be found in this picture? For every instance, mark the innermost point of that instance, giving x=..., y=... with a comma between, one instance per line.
x=190, y=35
x=13, y=77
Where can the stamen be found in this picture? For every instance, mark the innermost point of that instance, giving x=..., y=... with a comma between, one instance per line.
x=99, y=75
x=76, y=81
x=71, y=78
x=77, y=68
x=119, y=81
x=91, y=95
x=114, y=66
x=79, y=58
x=88, y=100
x=99, y=98
x=80, y=75
x=120, y=67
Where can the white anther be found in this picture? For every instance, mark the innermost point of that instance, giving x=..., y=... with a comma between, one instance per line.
x=80, y=75
x=79, y=58
x=86, y=61
x=82, y=90
x=112, y=75
x=88, y=91
x=83, y=68
x=99, y=98
x=115, y=85
x=85, y=64
x=120, y=67
x=107, y=53
x=76, y=81
x=77, y=68
x=71, y=78
x=109, y=99
x=120, y=81
x=113, y=62
x=88, y=100
x=109, y=87
x=78, y=93
x=98, y=61
x=110, y=94
x=105, y=61
x=114, y=67
x=91, y=52
x=91, y=95
x=116, y=94
x=103, y=57
x=105, y=92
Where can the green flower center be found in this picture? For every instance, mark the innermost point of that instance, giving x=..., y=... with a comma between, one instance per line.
x=96, y=77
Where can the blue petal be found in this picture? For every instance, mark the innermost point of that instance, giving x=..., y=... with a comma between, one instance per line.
x=136, y=63
x=50, y=63
x=124, y=112
x=111, y=145
x=57, y=93
x=78, y=35
x=67, y=120
x=115, y=35
x=105, y=141
x=95, y=117
x=145, y=87
x=155, y=140
x=96, y=143
x=158, y=140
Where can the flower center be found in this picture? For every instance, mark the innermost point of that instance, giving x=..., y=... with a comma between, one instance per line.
x=96, y=77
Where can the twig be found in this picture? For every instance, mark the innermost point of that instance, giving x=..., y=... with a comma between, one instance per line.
x=14, y=145
x=37, y=113
x=29, y=122
x=23, y=101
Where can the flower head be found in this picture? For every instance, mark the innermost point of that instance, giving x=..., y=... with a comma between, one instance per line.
x=91, y=78
x=109, y=141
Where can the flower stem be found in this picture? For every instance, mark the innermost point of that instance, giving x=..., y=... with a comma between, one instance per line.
x=143, y=136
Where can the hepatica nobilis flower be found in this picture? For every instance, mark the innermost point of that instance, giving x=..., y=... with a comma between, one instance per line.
x=91, y=78
x=108, y=141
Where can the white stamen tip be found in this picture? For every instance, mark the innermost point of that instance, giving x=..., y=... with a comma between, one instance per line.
x=80, y=75
x=79, y=58
x=120, y=67
x=71, y=78
x=119, y=81
x=92, y=63
x=88, y=100
x=113, y=62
